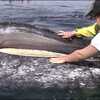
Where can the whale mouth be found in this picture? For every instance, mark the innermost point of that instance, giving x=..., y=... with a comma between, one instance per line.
x=31, y=40
x=29, y=52
x=26, y=41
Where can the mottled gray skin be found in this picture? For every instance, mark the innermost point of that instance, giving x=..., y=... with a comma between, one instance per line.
x=32, y=37
x=27, y=78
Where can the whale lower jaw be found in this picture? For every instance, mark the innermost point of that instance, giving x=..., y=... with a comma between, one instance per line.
x=30, y=52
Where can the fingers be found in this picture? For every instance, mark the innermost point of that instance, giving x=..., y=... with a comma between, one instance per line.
x=65, y=37
x=65, y=34
x=58, y=60
x=55, y=60
x=61, y=33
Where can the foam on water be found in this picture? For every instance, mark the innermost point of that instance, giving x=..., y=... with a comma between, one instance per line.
x=8, y=30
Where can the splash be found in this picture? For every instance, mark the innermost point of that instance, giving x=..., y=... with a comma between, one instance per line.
x=8, y=30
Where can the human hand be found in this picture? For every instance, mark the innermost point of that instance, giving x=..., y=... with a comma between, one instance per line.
x=59, y=60
x=66, y=34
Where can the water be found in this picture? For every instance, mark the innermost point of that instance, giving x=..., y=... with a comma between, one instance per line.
x=53, y=14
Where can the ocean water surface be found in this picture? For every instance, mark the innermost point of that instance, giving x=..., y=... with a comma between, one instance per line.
x=54, y=14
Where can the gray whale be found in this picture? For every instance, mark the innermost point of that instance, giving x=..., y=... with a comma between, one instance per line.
x=31, y=37
x=28, y=78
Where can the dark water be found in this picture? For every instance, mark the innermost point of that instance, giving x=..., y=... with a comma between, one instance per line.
x=54, y=14
x=19, y=75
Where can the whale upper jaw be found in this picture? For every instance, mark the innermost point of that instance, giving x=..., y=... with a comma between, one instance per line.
x=32, y=37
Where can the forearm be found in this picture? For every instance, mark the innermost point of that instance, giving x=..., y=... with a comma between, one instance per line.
x=76, y=55
x=81, y=54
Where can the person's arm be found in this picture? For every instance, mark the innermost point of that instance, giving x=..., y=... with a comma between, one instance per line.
x=76, y=55
x=80, y=54
x=88, y=31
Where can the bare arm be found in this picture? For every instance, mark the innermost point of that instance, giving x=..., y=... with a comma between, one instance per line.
x=76, y=55
x=82, y=54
